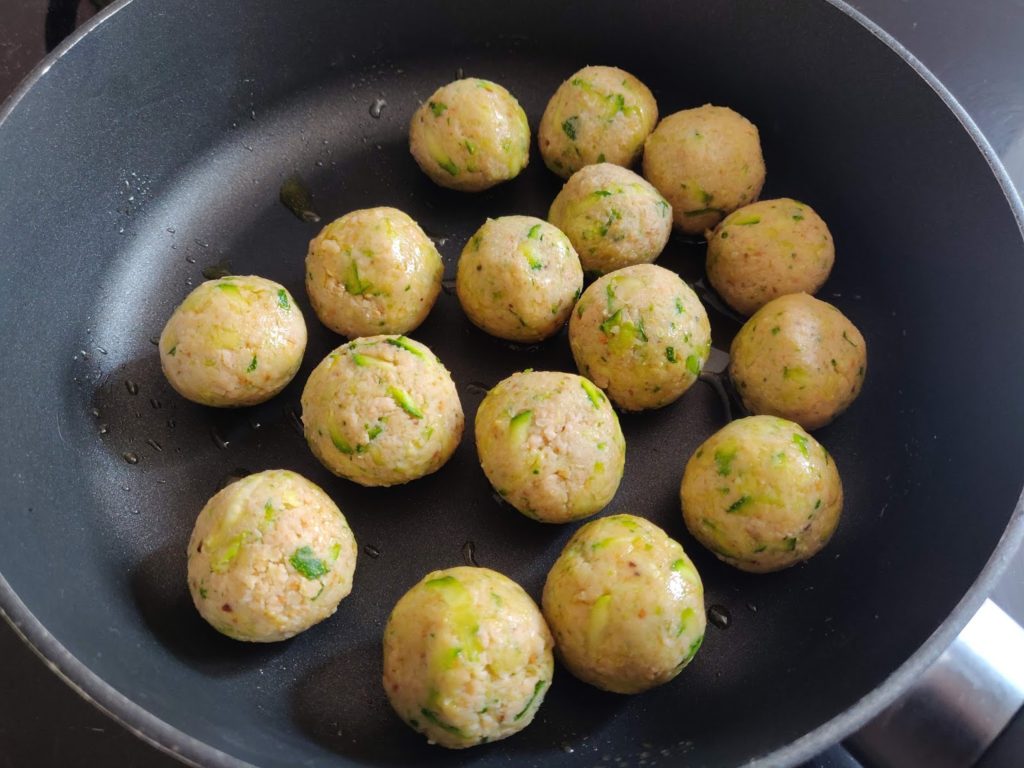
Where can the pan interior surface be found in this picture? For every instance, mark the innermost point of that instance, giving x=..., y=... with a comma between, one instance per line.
x=155, y=148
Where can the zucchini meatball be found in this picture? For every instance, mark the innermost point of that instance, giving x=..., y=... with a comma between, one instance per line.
x=373, y=271
x=707, y=162
x=232, y=342
x=470, y=135
x=600, y=114
x=625, y=604
x=551, y=445
x=382, y=411
x=270, y=556
x=467, y=657
x=642, y=335
x=768, y=249
x=612, y=217
x=798, y=358
x=762, y=494
x=518, y=278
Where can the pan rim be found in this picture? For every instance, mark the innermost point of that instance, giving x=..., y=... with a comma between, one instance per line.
x=191, y=751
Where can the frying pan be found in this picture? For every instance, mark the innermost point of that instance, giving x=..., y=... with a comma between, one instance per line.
x=155, y=145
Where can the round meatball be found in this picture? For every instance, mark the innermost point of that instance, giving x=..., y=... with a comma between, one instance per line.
x=551, y=445
x=373, y=271
x=600, y=114
x=707, y=162
x=270, y=556
x=762, y=494
x=642, y=335
x=232, y=342
x=612, y=217
x=467, y=657
x=518, y=278
x=382, y=411
x=768, y=249
x=470, y=135
x=625, y=604
x=798, y=358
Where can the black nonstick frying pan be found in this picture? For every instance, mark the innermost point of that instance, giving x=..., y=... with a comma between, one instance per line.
x=155, y=146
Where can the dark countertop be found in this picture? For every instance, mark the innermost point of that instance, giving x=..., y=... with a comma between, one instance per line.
x=974, y=48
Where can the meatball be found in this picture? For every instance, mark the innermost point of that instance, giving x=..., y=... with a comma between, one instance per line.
x=551, y=445
x=798, y=358
x=270, y=556
x=382, y=411
x=232, y=342
x=518, y=278
x=470, y=135
x=642, y=335
x=707, y=163
x=373, y=271
x=762, y=494
x=600, y=114
x=612, y=217
x=467, y=657
x=768, y=249
x=625, y=604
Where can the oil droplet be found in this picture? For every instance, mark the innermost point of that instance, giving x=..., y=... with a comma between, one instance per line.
x=218, y=439
x=448, y=286
x=171, y=423
x=371, y=551
x=131, y=386
x=752, y=607
x=125, y=488
x=217, y=271
x=154, y=444
x=254, y=424
x=296, y=197
x=154, y=340
x=477, y=388
x=200, y=243
x=101, y=350
x=377, y=107
x=155, y=403
x=567, y=748
x=103, y=429
x=469, y=554
x=719, y=616
x=171, y=230
x=96, y=412
x=441, y=242
x=130, y=457
x=460, y=73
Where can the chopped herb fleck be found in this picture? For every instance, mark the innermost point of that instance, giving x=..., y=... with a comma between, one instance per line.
x=801, y=441
x=401, y=397
x=847, y=340
x=670, y=354
x=534, y=232
x=693, y=365
x=595, y=395
x=404, y=343
x=173, y=350
x=252, y=365
x=790, y=543
x=282, y=299
x=432, y=717
x=438, y=108
x=570, y=126
x=448, y=166
x=703, y=212
x=748, y=221
x=737, y=505
x=723, y=460
x=536, y=692
x=307, y=563
x=775, y=331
